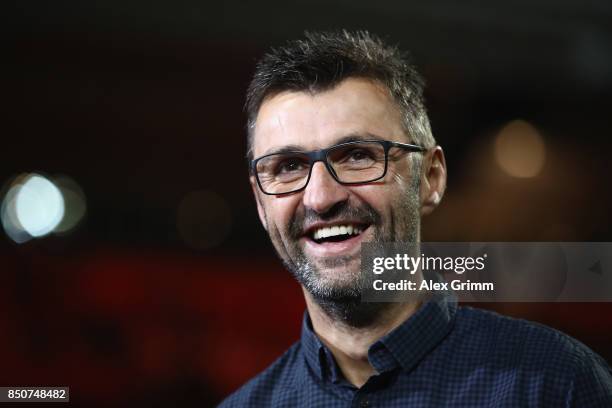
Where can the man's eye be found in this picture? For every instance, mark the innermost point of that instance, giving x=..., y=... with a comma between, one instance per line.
x=359, y=155
x=289, y=166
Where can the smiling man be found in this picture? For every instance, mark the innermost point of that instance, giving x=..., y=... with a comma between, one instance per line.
x=342, y=153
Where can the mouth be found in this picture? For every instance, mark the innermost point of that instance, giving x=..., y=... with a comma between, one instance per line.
x=336, y=233
x=338, y=239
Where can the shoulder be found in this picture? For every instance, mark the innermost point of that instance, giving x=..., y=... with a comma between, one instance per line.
x=537, y=353
x=272, y=386
x=529, y=339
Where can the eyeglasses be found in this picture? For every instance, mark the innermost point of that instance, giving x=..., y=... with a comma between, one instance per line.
x=349, y=163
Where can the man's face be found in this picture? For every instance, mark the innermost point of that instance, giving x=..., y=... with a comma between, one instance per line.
x=384, y=211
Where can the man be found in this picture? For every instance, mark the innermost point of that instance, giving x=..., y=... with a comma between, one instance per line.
x=342, y=153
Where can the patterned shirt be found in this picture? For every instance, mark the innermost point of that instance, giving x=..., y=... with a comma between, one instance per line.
x=442, y=356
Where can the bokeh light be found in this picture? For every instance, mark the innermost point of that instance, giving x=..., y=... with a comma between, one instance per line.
x=35, y=206
x=520, y=149
x=8, y=214
x=74, y=202
x=32, y=207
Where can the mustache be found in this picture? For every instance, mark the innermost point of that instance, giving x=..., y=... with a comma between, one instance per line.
x=340, y=211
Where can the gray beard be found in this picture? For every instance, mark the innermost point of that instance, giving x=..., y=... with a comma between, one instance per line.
x=342, y=302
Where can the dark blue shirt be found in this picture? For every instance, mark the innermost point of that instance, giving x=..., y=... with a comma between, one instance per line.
x=442, y=356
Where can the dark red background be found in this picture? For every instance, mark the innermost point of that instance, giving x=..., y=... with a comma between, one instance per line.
x=141, y=103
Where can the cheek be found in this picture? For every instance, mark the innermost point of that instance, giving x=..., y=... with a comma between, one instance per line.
x=403, y=180
x=378, y=196
x=280, y=211
x=400, y=173
x=382, y=196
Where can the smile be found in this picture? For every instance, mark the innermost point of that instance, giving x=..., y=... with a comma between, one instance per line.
x=336, y=233
x=341, y=238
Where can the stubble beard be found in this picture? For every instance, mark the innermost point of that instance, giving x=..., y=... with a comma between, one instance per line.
x=339, y=294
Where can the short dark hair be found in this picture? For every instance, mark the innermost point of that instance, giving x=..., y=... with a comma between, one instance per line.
x=322, y=60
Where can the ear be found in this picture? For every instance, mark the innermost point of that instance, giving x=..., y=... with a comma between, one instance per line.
x=260, y=209
x=433, y=179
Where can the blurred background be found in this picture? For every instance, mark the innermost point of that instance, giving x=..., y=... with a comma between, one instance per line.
x=132, y=264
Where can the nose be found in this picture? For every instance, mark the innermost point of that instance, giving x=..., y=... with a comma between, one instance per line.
x=323, y=192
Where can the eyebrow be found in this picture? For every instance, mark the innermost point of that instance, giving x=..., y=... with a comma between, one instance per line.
x=353, y=137
x=357, y=137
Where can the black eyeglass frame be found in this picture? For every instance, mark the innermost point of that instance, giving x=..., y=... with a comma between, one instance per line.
x=321, y=156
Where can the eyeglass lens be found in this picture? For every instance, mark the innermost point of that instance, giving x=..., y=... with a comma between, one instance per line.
x=351, y=163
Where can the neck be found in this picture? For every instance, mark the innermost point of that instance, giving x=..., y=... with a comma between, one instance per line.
x=349, y=345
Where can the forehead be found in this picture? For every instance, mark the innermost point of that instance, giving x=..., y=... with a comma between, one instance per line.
x=356, y=106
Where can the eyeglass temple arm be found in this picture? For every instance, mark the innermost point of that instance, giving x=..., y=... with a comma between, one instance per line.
x=408, y=146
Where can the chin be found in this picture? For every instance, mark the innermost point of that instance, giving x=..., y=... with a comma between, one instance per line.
x=338, y=277
x=333, y=285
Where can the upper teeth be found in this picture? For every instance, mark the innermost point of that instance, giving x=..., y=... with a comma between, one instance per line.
x=336, y=230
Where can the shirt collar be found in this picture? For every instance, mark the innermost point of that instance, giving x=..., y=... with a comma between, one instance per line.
x=410, y=342
x=406, y=345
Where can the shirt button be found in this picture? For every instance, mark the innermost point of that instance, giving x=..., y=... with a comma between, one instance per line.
x=364, y=403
